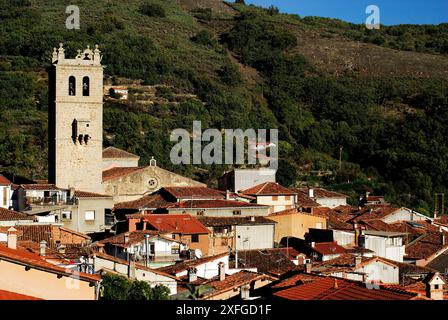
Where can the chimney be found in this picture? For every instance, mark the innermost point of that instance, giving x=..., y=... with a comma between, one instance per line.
x=358, y=261
x=100, y=247
x=227, y=194
x=313, y=244
x=192, y=274
x=71, y=193
x=356, y=229
x=245, y=292
x=443, y=239
x=412, y=215
x=42, y=248
x=222, y=271
x=308, y=267
x=335, y=284
x=311, y=192
x=12, y=238
x=126, y=237
x=252, y=218
x=131, y=271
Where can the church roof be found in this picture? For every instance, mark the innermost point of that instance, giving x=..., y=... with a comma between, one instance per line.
x=115, y=153
x=118, y=172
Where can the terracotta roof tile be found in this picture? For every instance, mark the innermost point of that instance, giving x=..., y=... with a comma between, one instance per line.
x=331, y=288
x=186, y=264
x=35, y=261
x=38, y=186
x=9, y=215
x=233, y=221
x=235, y=280
x=85, y=194
x=118, y=172
x=194, y=193
x=115, y=153
x=210, y=204
x=323, y=193
x=268, y=188
x=426, y=246
x=133, y=237
x=4, y=181
x=174, y=223
x=7, y=295
x=328, y=248
x=152, y=201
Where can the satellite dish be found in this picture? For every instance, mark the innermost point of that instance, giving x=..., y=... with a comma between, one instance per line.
x=198, y=253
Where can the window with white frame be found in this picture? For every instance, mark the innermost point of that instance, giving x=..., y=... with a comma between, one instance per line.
x=66, y=215
x=89, y=215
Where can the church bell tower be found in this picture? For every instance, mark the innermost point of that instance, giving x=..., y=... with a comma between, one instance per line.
x=76, y=120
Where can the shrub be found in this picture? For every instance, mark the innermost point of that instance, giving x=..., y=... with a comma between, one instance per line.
x=153, y=10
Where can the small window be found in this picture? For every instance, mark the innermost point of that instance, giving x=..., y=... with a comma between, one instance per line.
x=66, y=215
x=436, y=287
x=194, y=238
x=274, y=198
x=85, y=86
x=200, y=213
x=89, y=215
x=72, y=86
x=236, y=212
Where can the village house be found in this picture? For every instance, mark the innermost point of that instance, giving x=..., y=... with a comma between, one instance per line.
x=238, y=233
x=104, y=263
x=294, y=223
x=184, y=228
x=85, y=212
x=218, y=208
x=241, y=179
x=5, y=193
x=121, y=92
x=426, y=248
x=206, y=268
x=325, y=198
x=277, y=197
x=12, y=218
x=153, y=249
x=27, y=273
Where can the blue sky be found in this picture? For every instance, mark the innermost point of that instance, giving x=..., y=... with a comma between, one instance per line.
x=391, y=11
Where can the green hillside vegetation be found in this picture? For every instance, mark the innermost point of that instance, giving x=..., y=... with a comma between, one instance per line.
x=249, y=69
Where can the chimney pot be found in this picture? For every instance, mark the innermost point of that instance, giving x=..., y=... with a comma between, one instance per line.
x=358, y=261
x=222, y=271
x=12, y=238
x=313, y=244
x=308, y=267
x=192, y=275
x=126, y=237
x=42, y=248
x=311, y=192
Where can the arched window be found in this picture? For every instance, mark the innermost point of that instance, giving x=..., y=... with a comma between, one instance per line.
x=71, y=86
x=85, y=86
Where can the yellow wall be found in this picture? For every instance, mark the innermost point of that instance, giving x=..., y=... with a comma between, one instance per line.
x=295, y=225
x=41, y=284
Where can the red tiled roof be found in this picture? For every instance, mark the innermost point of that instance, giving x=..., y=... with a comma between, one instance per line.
x=115, y=153
x=235, y=280
x=375, y=212
x=186, y=264
x=210, y=204
x=38, y=186
x=426, y=246
x=134, y=237
x=30, y=259
x=268, y=188
x=323, y=193
x=85, y=194
x=4, y=181
x=331, y=288
x=182, y=223
x=9, y=215
x=7, y=295
x=327, y=248
x=152, y=201
x=303, y=200
x=233, y=221
x=194, y=193
x=39, y=232
x=118, y=172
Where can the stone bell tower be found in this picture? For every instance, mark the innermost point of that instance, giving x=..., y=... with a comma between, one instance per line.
x=76, y=120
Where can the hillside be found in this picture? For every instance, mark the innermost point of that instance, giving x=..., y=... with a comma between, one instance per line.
x=382, y=95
